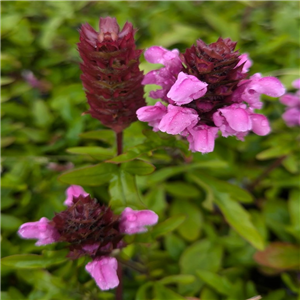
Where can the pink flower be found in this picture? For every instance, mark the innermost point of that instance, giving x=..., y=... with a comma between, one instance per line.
x=41, y=230
x=201, y=138
x=186, y=89
x=152, y=114
x=134, y=221
x=244, y=58
x=104, y=271
x=178, y=119
x=165, y=77
x=292, y=101
x=250, y=90
x=74, y=191
x=260, y=124
x=232, y=119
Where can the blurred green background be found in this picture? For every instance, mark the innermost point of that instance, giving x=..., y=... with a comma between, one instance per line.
x=204, y=257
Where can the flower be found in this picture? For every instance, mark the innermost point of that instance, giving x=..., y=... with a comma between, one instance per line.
x=207, y=90
x=133, y=221
x=90, y=229
x=292, y=114
x=110, y=73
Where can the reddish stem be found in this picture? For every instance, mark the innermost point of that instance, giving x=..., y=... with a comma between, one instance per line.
x=119, y=290
x=119, y=138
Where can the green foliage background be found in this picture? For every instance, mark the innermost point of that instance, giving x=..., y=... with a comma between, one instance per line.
x=218, y=212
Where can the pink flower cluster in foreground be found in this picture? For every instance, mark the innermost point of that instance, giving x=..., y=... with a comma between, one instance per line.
x=206, y=90
x=90, y=229
x=292, y=101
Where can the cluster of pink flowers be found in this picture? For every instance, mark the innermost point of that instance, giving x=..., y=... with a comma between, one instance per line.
x=206, y=90
x=90, y=229
x=292, y=101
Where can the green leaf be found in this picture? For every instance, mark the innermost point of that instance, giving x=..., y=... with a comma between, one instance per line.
x=274, y=152
x=143, y=292
x=181, y=278
x=161, y=292
x=239, y=219
x=202, y=255
x=155, y=200
x=220, y=186
x=96, y=152
x=123, y=191
x=280, y=256
x=138, y=167
x=167, y=226
x=219, y=283
x=190, y=229
x=174, y=245
x=92, y=176
x=10, y=222
x=105, y=135
x=182, y=189
x=32, y=261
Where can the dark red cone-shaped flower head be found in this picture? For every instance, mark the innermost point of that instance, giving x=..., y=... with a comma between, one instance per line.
x=111, y=76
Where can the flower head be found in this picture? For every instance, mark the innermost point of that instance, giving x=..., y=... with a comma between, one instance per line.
x=292, y=114
x=90, y=229
x=110, y=73
x=206, y=89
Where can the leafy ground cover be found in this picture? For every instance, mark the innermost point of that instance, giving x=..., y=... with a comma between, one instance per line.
x=228, y=220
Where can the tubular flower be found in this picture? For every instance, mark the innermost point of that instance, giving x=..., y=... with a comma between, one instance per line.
x=90, y=229
x=206, y=90
x=110, y=73
x=292, y=114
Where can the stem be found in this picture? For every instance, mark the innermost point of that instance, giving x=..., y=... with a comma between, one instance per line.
x=119, y=139
x=119, y=290
x=273, y=166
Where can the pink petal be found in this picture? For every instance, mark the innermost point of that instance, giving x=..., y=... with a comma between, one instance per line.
x=160, y=55
x=244, y=58
x=202, y=138
x=177, y=119
x=151, y=113
x=238, y=118
x=296, y=83
x=41, y=230
x=186, y=89
x=292, y=117
x=290, y=100
x=134, y=221
x=260, y=124
x=270, y=86
x=74, y=191
x=104, y=272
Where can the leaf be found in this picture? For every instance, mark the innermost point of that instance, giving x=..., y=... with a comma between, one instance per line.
x=92, y=176
x=161, y=292
x=96, y=152
x=219, y=283
x=202, y=255
x=105, y=135
x=190, y=229
x=174, y=245
x=274, y=152
x=280, y=256
x=9, y=222
x=123, y=191
x=220, y=186
x=138, y=167
x=32, y=261
x=167, y=226
x=239, y=219
x=182, y=189
x=181, y=278
x=143, y=292
x=155, y=200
